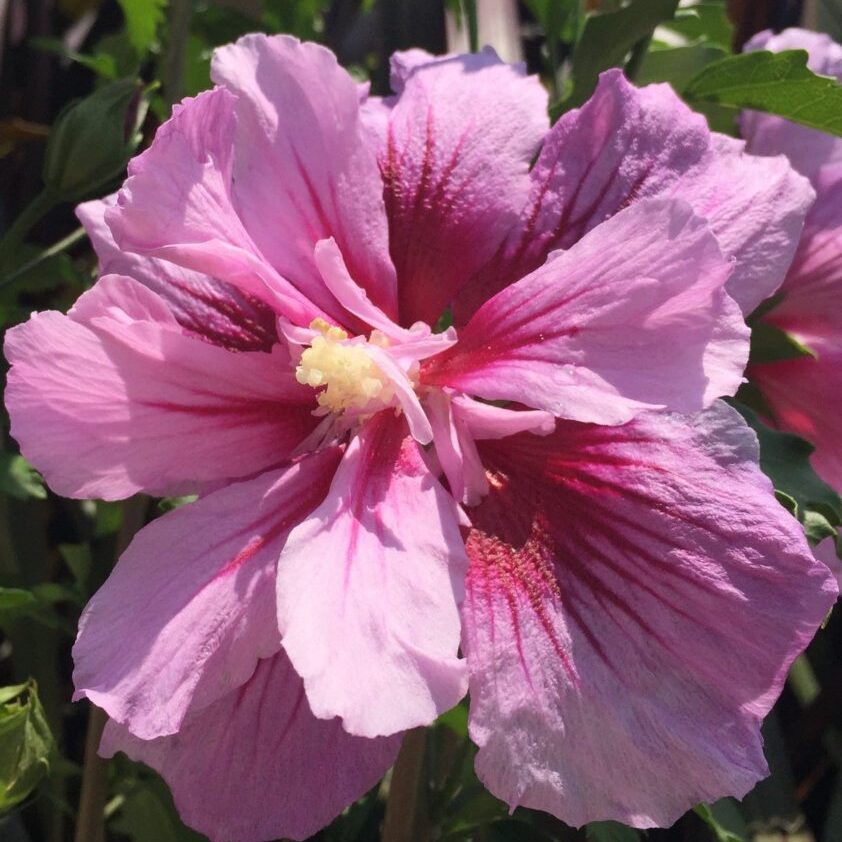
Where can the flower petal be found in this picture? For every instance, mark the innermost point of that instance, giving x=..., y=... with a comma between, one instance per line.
x=115, y=398
x=177, y=204
x=460, y=139
x=257, y=764
x=802, y=394
x=217, y=311
x=633, y=316
x=807, y=149
x=628, y=144
x=811, y=296
x=304, y=169
x=369, y=587
x=190, y=607
x=634, y=600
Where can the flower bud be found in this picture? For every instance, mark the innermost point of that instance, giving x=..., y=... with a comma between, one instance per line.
x=93, y=139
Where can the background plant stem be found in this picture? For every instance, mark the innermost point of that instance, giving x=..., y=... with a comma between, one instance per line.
x=90, y=823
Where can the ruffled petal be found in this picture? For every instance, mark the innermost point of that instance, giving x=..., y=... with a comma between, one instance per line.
x=369, y=587
x=635, y=597
x=459, y=142
x=628, y=144
x=304, y=169
x=633, y=316
x=177, y=204
x=190, y=607
x=115, y=398
x=807, y=149
x=212, y=309
x=257, y=764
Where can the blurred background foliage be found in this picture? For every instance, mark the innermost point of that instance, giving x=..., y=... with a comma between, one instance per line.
x=83, y=85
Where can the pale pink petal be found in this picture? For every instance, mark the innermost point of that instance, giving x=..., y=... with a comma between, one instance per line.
x=629, y=143
x=826, y=552
x=456, y=449
x=349, y=293
x=633, y=316
x=756, y=207
x=369, y=587
x=113, y=399
x=190, y=607
x=416, y=418
x=219, y=312
x=257, y=764
x=635, y=597
x=304, y=169
x=767, y=134
x=803, y=396
x=486, y=421
x=460, y=140
x=177, y=205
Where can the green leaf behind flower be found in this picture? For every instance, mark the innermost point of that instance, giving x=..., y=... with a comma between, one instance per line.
x=777, y=83
x=606, y=41
x=785, y=459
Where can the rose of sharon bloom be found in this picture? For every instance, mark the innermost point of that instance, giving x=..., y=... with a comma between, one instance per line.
x=803, y=394
x=377, y=499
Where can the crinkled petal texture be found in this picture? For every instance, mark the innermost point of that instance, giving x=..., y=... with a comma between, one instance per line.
x=799, y=392
x=257, y=765
x=627, y=144
x=213, y=309
x=303, y=167
x=190, y=606
x=633, y=316
x=635, y=597
x=460, y=139
x=369, y=587
x=109, y=400
x=766, y=134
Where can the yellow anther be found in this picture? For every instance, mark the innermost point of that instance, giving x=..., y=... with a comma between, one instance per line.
x=328, y=330
x=347, y=375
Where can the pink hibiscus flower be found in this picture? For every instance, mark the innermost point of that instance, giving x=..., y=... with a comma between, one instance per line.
x=627, y=598
x=802, y=395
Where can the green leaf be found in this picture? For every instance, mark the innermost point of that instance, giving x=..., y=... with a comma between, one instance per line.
x=777, y=83
x=771, y=344
x=456, y=719
x=610, y=832
x=25, y=743
x=14, y=600
x=147, y=814
x=677, y=65
x=704, y=23
x=606, y=41
x=704, y=812
x=143, y=17
x=19, y=479
x=785, y=459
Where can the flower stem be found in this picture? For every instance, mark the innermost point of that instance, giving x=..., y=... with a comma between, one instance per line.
x=44, y=202
x=90, y=822
x=407, y=815
x=56, y=248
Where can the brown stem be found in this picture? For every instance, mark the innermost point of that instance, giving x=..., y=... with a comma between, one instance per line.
x=90, y=822
x=407, y=816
